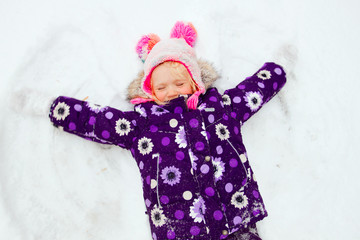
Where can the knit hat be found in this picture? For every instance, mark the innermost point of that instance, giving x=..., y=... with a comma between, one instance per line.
x=179, y=48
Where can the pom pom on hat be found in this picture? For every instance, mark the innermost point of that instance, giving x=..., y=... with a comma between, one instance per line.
x=186, y=31
x=145, y=44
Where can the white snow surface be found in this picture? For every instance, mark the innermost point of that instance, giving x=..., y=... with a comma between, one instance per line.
x=302, y=145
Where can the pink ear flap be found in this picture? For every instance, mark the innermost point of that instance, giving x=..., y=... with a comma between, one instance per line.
x=145, y=44
x=186, y=31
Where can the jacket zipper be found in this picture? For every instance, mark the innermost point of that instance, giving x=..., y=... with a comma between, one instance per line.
x=246, y=173
x=157, y=156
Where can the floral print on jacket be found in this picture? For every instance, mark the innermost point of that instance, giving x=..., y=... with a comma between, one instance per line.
x=197, y=180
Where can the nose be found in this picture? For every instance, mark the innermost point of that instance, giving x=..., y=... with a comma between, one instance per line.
x=173, y=93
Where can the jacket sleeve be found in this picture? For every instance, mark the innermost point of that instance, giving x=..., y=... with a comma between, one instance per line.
x=99, y=124
x=251, y=94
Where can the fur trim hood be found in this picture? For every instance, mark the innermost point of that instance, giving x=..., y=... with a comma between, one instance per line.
x=208, y=75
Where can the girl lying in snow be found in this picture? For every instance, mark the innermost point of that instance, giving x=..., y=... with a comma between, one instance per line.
x=185, y=137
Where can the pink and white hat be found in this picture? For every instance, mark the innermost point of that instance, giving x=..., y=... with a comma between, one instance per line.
x=179, y=48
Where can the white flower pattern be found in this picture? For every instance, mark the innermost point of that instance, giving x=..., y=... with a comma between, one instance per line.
x=197, y=210
x=158, y=111
x=203, y=132
x=145, y=145
x=157, y=216
x=222, y=132
x=122, y=127
x=254, y=100
x=193, y=159
x=219, y=168
x=141, y=111
x=95, y=107
x=226, y=99
x=264, y=74
x=61, y=111
x=180, y=138
x=239, y=200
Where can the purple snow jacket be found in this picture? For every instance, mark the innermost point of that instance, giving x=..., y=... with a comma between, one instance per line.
x=197, y=180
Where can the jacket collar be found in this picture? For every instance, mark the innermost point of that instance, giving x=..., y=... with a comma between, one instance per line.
x=177, y=105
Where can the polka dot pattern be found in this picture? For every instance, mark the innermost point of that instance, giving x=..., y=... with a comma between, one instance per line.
x=256, y=212
x=153, y=183
x=179, y=214
x=236, y=130
x=105, y=134
x=72, y=126
x=78, y=107
x=194, y=230
x=180, y=155
x=170, y=234
x=237, y=99
x=213, y=99
x=204, y=168
x=187, y=195
x=275, y=85
x=233, y=163
x=178, y=110
x=243, y=158
x=229, y=187
x=109, y=115
x=278, y=71
x=219, y=149
x=218, y=215
x=210, y=191
x=153, y=128
x=261, y=85
x=194, y=123
x=211, y=118
x=164, y=199
x=92, y=120
x=173, y=123
x=199, y=146
x=256, y=194
x=246, y=116
x=165, y=141
x=237, y=220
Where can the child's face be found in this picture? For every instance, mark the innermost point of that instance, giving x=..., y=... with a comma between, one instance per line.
x=167, y=85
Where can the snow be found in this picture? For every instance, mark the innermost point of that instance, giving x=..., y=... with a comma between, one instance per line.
x=302, y=145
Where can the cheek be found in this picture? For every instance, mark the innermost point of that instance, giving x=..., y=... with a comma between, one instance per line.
x=160, y=95
x=187, y=90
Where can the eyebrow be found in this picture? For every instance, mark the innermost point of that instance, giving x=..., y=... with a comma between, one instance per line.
x=159, y=85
